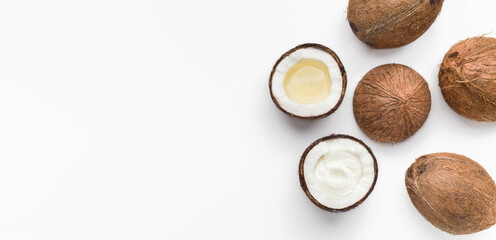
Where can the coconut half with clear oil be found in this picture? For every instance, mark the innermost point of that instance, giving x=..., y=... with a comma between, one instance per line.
x=308, y=82
x=338, y=172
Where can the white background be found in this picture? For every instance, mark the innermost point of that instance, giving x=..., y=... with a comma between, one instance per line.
x=152, y=120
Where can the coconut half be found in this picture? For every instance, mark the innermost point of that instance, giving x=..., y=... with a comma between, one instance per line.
x=308, y=81
x=338, y=172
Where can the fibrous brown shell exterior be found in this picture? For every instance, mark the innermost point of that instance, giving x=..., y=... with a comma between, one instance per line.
x=303, y=184
x=391, y=23
x=341, y=68
x=391, y=103
x=467, y=78
x=452, y=192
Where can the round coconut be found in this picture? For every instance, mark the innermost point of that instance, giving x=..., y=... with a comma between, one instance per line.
x=311, y=111
x=467, y=78
x=391, y=103
x=338, y=172
x=391, y=23
x=452, y=192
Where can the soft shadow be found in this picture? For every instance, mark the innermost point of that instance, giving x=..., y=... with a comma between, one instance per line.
x=470, y=126
x=302, y=124
x=384, y=53
x=422, y=225
x=331, y=217
x=477, y=125
x=302, y=209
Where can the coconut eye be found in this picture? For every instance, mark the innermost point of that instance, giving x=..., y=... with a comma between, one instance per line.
x=453, y=55
x=353, y=26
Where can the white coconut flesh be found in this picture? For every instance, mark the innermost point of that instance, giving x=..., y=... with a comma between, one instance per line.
x=339, y=172
x=307, y=82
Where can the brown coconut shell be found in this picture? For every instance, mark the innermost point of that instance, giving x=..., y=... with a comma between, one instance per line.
x=391, y=23
x=303, y=184
x=452, y=192
x=341, y=68
x=391, y=103
x=467, y=78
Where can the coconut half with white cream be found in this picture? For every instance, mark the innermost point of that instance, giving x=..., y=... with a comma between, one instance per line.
x=308, y=81
x=338, y=172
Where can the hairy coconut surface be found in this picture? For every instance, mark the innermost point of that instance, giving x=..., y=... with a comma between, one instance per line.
x=391, y=103
x=452, y=192
x=391, y=23
x=467, y=78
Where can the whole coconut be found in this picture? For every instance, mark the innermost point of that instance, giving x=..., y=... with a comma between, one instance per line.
x=452, y=192
x=467, y=78
x=391, y=23
x=391, y=103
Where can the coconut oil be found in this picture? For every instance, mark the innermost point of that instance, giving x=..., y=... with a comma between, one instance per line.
x=307, y=82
